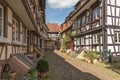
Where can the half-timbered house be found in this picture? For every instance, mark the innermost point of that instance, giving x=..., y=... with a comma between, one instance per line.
x=98, y=24
x=22, y=26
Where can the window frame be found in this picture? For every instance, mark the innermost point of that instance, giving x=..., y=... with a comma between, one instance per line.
x=82, y=40
x=95, y=39
x=24, y=35
x=94, y=11
x=2, y=32
x=117, y=37
x=16, y=35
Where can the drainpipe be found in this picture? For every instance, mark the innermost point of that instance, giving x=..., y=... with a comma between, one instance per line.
x=104, y=24
x=28, y=42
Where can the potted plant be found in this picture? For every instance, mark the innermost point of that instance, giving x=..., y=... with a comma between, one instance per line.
x=90, y=56
x=42, y=67
x=12, y=75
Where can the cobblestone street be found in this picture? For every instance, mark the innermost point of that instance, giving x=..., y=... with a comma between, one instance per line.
x=63, y=67
x=62, y=70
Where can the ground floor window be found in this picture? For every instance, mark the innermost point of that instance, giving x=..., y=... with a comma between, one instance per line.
x=95, y=39
x=1, y=20
x=117, y=37
x=15, y=30
x=82, y=40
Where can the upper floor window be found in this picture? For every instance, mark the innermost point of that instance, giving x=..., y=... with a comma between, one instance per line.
x=79, y=22
x=117, y=37
x=15, y=30
x=83, y=20
x=75, y=24
x=96, y=13
x=88, y=19
x=1, y=20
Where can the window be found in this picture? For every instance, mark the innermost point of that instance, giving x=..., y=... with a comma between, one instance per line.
x=15, y=30
x=82, y=40
x=1, y=20
x=24, y=35
x=83, y=19
x=87, y=19
x=53, y=35
x=75, y=25
x=79, y=22
x=95, y=39
x=117, y=37
x=78, y=41
x=96, y=13
x=88, y=16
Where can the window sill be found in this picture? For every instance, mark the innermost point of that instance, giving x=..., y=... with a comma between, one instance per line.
x=16, y=43
x=95, y=43
x=4, y=40
x=24, y=44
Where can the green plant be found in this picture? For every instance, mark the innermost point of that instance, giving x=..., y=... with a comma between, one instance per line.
x=91, y=55
x=63, y=45
x=5, y=75
x=32, y=74
x=42, y=66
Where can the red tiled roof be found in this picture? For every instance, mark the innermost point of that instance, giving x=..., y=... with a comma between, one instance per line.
x=54, y=27
x=66, y=28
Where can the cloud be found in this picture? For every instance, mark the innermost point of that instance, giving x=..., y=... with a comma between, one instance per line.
x=59, y=4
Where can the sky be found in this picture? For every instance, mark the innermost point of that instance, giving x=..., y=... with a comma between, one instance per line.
x=58, y=10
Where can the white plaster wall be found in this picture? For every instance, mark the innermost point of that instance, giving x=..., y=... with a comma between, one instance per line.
x=112, y=2
x=111, y=12
x=116, y=47
x=87, y=41
x=97, y=48
x=87, y=48
x=108, y=31
x=111, y=48
x=117, y=2
x=90, y=41
x=101, y=47
x=101, y=40
x=109, y=40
